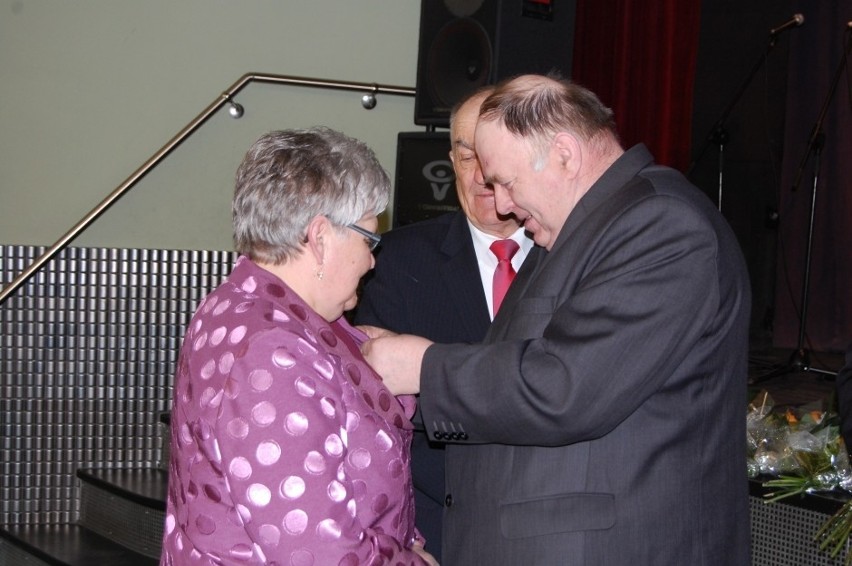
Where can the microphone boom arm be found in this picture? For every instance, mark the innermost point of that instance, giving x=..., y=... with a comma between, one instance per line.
x=716, y=134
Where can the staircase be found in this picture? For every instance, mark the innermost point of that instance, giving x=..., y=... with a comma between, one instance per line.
x=121, y=521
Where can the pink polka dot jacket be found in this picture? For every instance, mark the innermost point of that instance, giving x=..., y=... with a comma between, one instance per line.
x=286, y=447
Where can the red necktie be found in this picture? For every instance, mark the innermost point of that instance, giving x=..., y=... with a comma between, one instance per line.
x=503, y=275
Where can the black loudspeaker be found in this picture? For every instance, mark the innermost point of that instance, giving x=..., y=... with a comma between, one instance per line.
x=465, y=44
x=425, y=183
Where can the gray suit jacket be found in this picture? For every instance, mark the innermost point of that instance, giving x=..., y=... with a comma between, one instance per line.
x=602, y=421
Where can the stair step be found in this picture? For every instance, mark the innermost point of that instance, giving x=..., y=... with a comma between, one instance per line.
x=145, y=486
x=64, y=545
x=126, y=506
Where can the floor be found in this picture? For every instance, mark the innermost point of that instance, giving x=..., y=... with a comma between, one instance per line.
x=780, y=372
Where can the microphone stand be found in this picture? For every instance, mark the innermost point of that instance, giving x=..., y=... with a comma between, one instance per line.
x=718, y=134
x=800, y=359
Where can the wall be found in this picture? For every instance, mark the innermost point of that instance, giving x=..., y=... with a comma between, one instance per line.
x=91, y=90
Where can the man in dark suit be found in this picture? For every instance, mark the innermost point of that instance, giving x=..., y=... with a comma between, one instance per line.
x=430, y=280
x=601, y=421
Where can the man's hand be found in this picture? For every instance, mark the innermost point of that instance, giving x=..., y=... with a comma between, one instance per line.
x=397, y=358
x=422, y=553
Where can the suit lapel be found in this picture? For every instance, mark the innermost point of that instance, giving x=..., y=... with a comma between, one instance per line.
x=616, y=179
x=460, y=274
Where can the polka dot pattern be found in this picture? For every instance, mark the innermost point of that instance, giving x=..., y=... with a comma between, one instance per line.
x=286, y=447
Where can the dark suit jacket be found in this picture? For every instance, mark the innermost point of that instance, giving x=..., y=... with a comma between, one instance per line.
x=602, y=420
x=843, y=385
x=426, y=282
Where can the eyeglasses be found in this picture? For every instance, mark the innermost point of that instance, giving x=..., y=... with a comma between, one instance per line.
x=373, y=239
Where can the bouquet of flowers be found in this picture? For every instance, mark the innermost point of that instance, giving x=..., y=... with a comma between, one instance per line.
x=803, y=451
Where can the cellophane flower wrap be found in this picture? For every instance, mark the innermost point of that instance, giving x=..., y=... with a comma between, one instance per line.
x=800, y=451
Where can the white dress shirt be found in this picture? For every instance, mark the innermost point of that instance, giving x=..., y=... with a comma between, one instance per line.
x=488, y=261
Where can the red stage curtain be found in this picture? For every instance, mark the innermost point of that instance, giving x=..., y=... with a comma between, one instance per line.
x=639, y=57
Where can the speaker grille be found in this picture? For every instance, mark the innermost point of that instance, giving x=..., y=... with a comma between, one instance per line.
x=459, y=62
x=465, y=44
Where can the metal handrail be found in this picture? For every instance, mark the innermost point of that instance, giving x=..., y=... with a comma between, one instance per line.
x=227, y=97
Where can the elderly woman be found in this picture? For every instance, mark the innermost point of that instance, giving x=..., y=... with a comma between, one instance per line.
x=286, y=447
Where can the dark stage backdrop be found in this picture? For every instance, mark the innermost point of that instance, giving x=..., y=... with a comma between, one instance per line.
x=741, y=88
x=669, y=68
x=817, y=51
x=639, y=57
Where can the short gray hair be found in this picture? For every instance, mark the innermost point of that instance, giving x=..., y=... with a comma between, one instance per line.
x=290, y=176
x=537, y=107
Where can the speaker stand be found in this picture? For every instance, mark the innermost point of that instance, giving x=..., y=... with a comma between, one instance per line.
x=800, y=359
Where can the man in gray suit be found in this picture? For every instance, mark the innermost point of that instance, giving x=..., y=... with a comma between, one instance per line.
x=602, y=420
x=433, y=278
